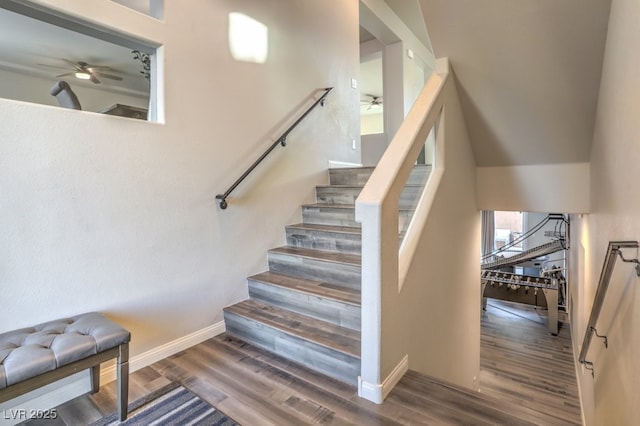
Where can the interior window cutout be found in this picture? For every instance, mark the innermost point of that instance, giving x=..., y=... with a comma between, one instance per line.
x=248, y=39
x=371, y=96
x=43, y=61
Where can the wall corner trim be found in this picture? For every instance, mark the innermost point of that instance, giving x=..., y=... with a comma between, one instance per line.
x=377, y=392
x=142, y=360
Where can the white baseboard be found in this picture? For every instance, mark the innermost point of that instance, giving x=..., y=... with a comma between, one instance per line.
x=142, y=360
x=54, y=394
x=377, y=392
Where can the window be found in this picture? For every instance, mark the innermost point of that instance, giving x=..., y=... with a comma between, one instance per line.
x=508, y=228
x=102, y=69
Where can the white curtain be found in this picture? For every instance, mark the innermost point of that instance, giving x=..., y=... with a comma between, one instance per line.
x=488, y=232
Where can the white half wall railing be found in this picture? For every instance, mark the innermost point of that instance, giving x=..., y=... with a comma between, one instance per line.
x=385, y=261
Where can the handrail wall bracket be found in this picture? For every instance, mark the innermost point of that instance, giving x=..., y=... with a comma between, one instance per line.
x=636, y=261
x=613, y=251
x=606, y=342
x=589, y=366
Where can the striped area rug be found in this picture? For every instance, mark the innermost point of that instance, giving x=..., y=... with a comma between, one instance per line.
x=172, y=405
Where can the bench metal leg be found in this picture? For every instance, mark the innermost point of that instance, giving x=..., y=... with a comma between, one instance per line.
x=95, y=378
x=123, y=381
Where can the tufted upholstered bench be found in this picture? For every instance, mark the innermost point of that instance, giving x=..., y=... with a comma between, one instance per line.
x=35, y=356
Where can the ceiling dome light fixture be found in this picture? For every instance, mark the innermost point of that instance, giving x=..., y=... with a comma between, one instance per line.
x=83, y=75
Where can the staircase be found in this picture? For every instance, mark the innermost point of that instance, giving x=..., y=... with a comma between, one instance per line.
x=306, y=307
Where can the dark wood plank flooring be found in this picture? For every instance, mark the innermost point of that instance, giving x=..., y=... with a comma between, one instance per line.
x=520, y=361
x=257, y=388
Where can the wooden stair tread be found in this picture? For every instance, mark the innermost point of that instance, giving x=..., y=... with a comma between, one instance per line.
x=330, y=205
x=323, y=333
x=322, y=255
x=416, y=166
x=327, y=228
x=342, y=186
x=352, y=168
x=313, y=287
x=345, y=206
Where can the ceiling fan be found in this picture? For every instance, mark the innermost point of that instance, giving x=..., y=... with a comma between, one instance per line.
x=374, y=102
x=86, y=71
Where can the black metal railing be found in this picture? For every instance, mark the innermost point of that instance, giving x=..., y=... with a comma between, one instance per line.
x=613, y=252
x=282, y=140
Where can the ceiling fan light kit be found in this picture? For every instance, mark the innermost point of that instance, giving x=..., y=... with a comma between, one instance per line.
x=374, y=103
x=85, y=71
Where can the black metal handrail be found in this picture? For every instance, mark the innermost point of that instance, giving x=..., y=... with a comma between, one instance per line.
x=282, y=140
x=613, y=252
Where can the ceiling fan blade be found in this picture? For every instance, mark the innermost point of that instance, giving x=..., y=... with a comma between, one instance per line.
x=60, y=68
x=112, y=77
x=100, y=67
x=75, y=65
x=64, y=75
x=94, y=79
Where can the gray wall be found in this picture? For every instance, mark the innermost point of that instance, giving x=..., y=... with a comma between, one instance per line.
x=100, y=213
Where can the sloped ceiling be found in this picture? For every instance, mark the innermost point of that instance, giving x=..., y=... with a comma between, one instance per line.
x=528, y=74
x=409, y=12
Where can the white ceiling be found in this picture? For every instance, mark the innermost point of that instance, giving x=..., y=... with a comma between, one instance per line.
x=528, y=74
x=409, y=12
x=371, y=67
x=28, y=45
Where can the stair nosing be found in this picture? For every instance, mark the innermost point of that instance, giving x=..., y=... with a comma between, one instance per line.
x=262, y=279
x=330, y=205
x=356, y=259
x=343, y=186
x=347, y=206
x=326, y=228
x=353, y=168
x=343, y=331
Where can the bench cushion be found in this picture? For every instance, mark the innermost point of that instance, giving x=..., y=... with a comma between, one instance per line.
x=31, y=351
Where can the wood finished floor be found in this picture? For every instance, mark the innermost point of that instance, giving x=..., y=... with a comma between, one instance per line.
x=520, y=362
